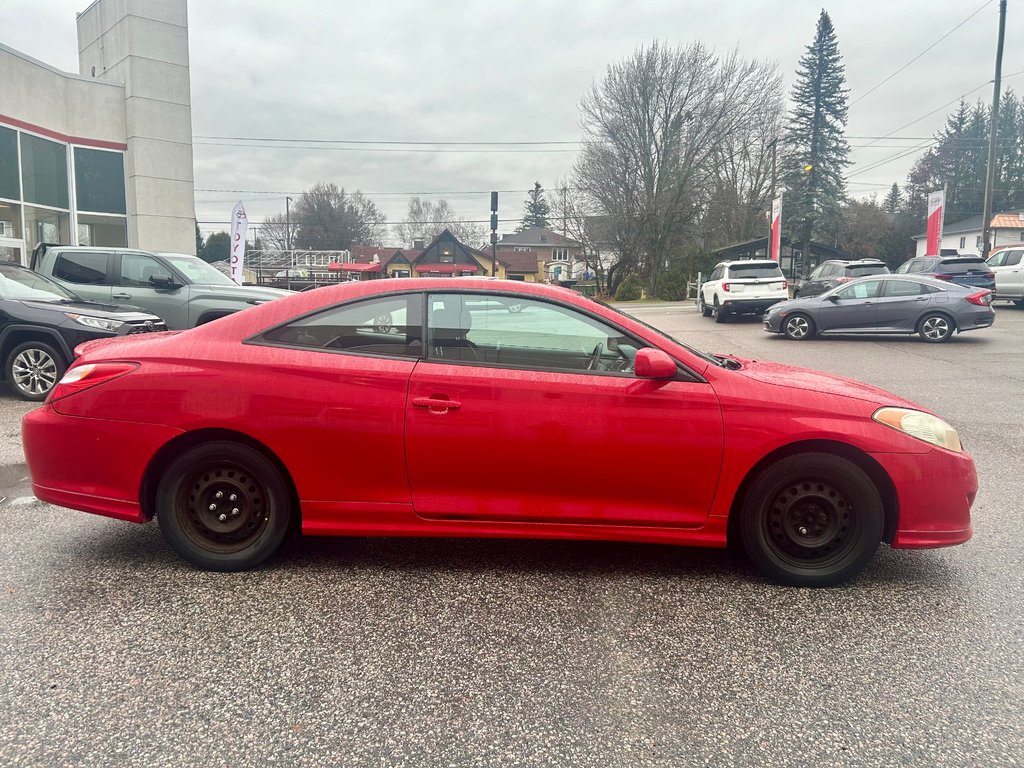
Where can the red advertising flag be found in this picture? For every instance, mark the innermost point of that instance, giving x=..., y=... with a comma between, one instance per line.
x=776, y=228
x=936, y=208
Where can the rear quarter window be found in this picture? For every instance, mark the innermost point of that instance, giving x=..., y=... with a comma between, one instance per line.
x=82, y=267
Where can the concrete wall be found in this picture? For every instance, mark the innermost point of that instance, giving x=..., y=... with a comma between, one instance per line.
x=144, y=45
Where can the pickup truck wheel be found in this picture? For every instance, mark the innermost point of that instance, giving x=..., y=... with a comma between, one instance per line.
x=33, y=369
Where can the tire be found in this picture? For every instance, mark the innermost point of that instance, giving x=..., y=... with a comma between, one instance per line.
x=190, y=486
x=705, y=310
x=811, y=520
x=798, y=327
x=936, y=328
x=1019, y=303
x=33, y=370
x=720, y=314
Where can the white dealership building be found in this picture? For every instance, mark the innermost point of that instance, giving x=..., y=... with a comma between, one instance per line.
x=102, y=157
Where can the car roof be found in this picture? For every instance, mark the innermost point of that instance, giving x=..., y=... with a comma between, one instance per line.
x=912, y=277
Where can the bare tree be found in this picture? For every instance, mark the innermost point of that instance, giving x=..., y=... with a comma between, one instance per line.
x=654, y=129
x=330, y=219
x=426, y=220
x=273, y=233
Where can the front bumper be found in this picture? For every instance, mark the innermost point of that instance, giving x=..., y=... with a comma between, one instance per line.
x=95, y=465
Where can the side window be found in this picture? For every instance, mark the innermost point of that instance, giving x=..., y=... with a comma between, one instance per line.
x=999, y=259
x=861, y=290
x=716, y=274
x=82, y=267
x=817, y=273
x=136, y=269
x=1013, y=258
x=389, y=327
x=902, y=288
x=484, y=329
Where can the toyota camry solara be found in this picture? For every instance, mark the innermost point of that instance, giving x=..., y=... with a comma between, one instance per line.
x=422, y=407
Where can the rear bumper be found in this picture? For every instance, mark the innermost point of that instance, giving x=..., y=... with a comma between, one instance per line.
x=935, y=492
x=94, y=465
x=749, y=306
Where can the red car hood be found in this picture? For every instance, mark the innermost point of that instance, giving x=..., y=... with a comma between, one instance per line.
x=791, y=376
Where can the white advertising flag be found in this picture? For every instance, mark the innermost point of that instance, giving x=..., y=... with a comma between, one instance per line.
x=239, y=227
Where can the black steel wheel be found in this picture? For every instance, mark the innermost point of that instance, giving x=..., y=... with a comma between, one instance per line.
x=33, y=369
x=223, y=506
x=798, y=327
x=812, y=520
x=936, y=328
x=705, y=310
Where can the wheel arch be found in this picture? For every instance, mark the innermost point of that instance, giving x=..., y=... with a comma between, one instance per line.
x=946, y=314
x=874, y=470
x=213, y=314
x=173, y=448
x=14, y=335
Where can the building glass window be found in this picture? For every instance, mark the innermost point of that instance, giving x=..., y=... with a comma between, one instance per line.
x=99, y=181
x=559, y=254
x=10, y=221
x=106, y=231
x=44, y=171
x=963, y=242
x=9, y=186
x=44, y=226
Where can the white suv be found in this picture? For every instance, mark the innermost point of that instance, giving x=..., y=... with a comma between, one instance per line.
x=742, y=288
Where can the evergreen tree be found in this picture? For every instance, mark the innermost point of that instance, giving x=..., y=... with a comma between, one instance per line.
x=200, y=245
x=816, y=152
x=892, y=201
x=218, y=247
x=535, y=208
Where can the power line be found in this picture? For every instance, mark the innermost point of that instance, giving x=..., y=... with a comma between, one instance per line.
x=385, y=141
x=922, y=53
x=436, y=151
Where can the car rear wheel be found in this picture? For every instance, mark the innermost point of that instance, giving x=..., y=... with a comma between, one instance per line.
x=223, y=506
x=33, y=369
x=798, y=327
x=705, y=310
x=935, y=328
x=720, y=314
x=811, y=520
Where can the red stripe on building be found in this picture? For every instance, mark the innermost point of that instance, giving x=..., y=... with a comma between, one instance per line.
x=15, y=123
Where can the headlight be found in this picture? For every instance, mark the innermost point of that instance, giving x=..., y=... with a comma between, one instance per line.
x=101, y=323
x=923, y=426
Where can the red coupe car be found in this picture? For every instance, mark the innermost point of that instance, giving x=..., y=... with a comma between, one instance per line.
x=422, y=407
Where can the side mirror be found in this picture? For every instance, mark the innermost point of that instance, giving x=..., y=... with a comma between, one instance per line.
x=160, y=280
x=833, y=298
x=651, y=363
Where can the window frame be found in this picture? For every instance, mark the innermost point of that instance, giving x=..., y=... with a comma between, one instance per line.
x=560, y=254
x=887, y=293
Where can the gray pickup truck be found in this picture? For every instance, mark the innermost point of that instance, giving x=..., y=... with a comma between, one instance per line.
x=182, y=290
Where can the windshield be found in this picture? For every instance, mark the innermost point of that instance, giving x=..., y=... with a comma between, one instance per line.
x=702, y=355
x=739, y=271
x=17, y=283
x=197, y=270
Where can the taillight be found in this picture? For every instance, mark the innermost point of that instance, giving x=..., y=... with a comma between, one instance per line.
x=990, y=275
x=981, y=298
x=843, y=279
x=82, y=377
x=943, y=277
x=725, y=286
x=785, y=284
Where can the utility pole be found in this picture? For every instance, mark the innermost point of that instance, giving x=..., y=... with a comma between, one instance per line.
x=494, y=234
x=288, y=224
x=990, y=174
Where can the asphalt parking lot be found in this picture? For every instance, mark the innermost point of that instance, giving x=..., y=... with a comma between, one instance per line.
x=384, y=652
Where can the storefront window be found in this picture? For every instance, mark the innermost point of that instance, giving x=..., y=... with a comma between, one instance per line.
x=43, y=226
x=44, y=171
x=99, y=181
x=10, y=220
x=108, y=231
x=9, y=186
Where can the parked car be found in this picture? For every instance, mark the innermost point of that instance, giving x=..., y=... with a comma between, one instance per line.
x=971, y=271
x=183, y=290
x=829, y=274
x=442, y=417
x=746, y=287
x=886, y=304
x=1005, y=263
x=41, y=323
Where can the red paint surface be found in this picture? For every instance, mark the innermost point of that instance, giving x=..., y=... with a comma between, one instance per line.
x=78, y=140
x=525, y=453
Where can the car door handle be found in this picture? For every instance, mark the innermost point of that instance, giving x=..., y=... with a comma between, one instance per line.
x=121, y=296
x=921, y=298
x=436, y=403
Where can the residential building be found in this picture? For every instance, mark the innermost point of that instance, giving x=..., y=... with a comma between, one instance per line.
x=965, y=235
x=558, y=257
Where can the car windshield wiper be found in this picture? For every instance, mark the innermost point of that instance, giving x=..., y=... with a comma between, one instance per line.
x=727, y=362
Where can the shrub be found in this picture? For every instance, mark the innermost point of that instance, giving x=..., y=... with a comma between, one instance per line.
x=630, y=289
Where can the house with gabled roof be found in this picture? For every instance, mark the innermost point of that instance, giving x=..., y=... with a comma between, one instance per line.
x=556, y=254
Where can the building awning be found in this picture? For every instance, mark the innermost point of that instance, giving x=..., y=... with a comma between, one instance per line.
x=334, y=266
x=351, y=267
x=447, y=269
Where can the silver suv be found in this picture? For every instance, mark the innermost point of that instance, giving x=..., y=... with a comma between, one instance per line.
x=746, y=287
x=183, y=290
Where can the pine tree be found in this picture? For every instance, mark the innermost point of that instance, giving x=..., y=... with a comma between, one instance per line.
x=200, y=245
x=535, y=208
x=816, y=151
x=892, y=201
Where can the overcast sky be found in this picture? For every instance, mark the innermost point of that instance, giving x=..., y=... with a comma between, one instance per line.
x=410, y=70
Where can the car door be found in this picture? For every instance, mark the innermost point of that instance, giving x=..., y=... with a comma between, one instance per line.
x=536, y=416
x=816, y=281
x=850, y=308
x=87, y=273
x=132, y=286
x=900, y=303
x=1009, y=278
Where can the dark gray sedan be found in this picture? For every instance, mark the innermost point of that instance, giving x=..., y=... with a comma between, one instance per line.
x=935, y=309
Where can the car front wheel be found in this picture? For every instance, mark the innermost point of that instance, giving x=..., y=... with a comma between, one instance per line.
x=798, y=327
x=812, y=520
x=33, y=369
x=935, y=328
x=223, y=506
